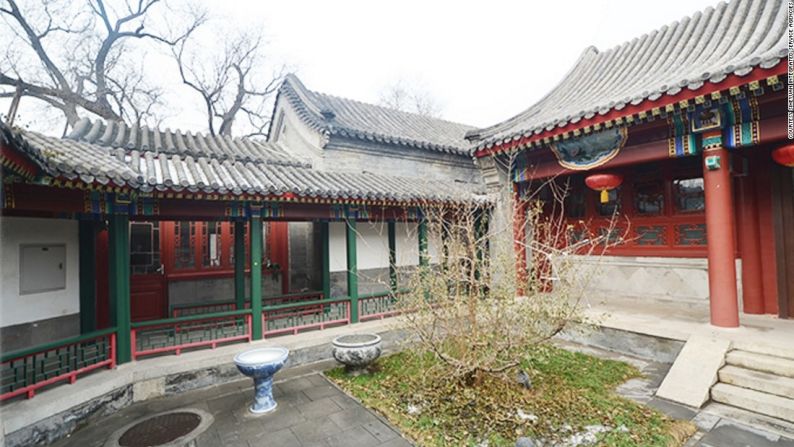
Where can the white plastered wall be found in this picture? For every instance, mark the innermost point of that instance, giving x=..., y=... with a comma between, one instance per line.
x=372, y=245
x=16, y=308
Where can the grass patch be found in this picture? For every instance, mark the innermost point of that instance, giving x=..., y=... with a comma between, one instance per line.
x=570, y=391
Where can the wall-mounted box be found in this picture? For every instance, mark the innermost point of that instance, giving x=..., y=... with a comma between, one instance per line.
x=42, y=268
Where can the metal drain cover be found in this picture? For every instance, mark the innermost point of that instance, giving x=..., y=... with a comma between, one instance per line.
x=170, y=429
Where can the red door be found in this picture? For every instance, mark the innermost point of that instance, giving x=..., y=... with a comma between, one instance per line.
x=148, y=291
x=147, y=297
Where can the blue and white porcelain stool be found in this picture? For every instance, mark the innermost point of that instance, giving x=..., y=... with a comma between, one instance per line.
x=260, y=365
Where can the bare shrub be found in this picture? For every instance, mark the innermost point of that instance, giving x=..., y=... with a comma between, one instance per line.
x=495, y=286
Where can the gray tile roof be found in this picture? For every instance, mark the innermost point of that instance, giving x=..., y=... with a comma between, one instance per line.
x=705, y=48
x=148, y=170
x=119, y=135
x=333, y=115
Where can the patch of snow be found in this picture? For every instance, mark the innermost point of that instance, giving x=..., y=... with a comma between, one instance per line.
x=526, y=416
x=587, y=437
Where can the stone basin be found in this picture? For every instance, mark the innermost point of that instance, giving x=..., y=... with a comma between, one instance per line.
x=357, y=351
x=261, y=364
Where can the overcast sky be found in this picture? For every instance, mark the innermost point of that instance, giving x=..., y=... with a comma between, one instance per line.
x=482, y=61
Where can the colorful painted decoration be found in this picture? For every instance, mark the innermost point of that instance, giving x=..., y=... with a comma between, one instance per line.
x=681, y=142
x=742, y=127
x=591, y=150
x=784, y=155
x=736, y=120
x=603, y=183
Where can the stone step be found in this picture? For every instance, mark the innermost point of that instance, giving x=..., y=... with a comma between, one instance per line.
x=757, y=380
x=764, y=348
x=778, y=366
x=717, y=412
x=755, y=401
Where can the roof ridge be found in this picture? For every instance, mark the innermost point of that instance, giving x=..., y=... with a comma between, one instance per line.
x=294, y=78
x=118, y=134
x=391, y=109
x=697, y=50
x=368, y=122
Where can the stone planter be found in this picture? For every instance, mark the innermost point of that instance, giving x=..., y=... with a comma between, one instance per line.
x=261, y=365
x=357, y=351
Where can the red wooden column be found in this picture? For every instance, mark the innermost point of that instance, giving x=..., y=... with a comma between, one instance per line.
x=278, y=244
x=750, y=246
x=720, y=234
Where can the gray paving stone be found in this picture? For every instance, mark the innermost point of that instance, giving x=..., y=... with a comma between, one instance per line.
x=380, y=430
x=352, y=417
x=397, y=442
x=318, y=408
x=315, y=430
x=672, y=409
x=332, y=419
x=346, y=402
x=321, y=391
x=294, y=385
x=209, y=438
x=705, y=421
x=355, y=437
x=292, y=399
x=281, y=438
x=282, y=418
x=317, y=379
x=735, y=436
x=228, y=403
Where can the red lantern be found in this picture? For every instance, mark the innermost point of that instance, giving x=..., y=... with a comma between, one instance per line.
x=784, y=155
x=603, y=183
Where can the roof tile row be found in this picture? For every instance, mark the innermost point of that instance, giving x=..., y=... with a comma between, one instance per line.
x=148, y=170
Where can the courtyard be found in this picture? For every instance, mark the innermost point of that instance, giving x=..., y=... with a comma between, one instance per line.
x=590, y=246
x=317, y=411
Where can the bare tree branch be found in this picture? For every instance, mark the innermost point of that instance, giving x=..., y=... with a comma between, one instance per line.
x=409, y=97
x=94, y=76
x=234, y=85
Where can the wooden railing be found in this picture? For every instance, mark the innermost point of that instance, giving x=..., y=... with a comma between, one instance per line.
x=378, y=305
x=184, y=310
x=176, y=334
x=292, y=318
x=27, y=370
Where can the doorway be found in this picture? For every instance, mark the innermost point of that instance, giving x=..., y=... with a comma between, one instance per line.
x=148, y=294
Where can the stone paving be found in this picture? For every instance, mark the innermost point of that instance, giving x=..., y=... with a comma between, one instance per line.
x=311, y=412
x=714, y=429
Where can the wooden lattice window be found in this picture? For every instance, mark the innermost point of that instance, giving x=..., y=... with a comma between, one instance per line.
x=184, y=245
x=607, y=209
x=689, y=195
x=691, y=234
x=212, y=247
x=651, y=235
x=649, y=197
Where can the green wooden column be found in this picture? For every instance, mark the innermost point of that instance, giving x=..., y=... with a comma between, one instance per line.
x=325, y=248
x=424, y=257
x=239, y=264
x=392, y=230
x=352, y=270
x=255, y=228
x=86, y=231
x=119, y=271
